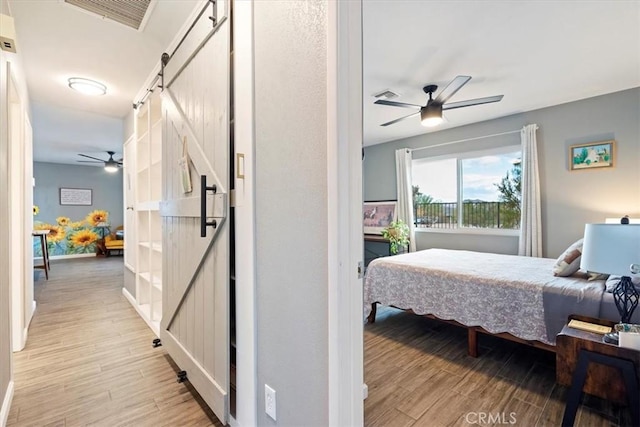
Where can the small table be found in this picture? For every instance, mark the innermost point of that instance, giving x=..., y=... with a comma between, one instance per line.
x=586, y=363
x=101, y=249
x=377, y=238
x=42, y=235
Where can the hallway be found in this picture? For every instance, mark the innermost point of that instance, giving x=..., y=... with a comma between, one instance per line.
x=89, y=358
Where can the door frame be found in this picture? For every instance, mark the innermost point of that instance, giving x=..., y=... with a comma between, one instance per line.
x=344, y=173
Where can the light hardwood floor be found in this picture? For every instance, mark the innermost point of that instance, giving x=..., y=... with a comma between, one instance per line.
x=419, y=374
x=89, y=358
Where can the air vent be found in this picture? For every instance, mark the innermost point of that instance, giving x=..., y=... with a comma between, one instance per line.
x=128, y=12
x=385, y=94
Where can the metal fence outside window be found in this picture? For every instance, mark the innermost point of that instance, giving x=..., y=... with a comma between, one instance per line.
x=475, y=214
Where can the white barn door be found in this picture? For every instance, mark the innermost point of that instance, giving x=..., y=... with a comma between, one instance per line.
x=195, y=101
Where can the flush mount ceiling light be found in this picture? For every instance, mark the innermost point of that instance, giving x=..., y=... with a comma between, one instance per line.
x=87, y=87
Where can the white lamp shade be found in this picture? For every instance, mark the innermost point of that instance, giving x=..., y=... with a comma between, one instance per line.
x=610, y=248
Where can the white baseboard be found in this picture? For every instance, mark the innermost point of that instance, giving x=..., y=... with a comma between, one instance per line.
x=25, y=333
x=365, y=391
x=129, y=297
x=54, y=257
x=6, y=405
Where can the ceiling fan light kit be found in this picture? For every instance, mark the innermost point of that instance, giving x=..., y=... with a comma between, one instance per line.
x=431, y=113
x=111, y=165
x=87, y=86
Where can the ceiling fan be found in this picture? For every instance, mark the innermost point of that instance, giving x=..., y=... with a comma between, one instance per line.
x=431, y=113
x=110, y=165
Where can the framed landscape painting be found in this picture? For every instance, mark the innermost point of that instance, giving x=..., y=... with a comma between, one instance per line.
x=592, y=155
x=377, y=216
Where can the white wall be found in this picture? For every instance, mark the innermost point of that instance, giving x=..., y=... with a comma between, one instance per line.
x=16, y=276
x=291, y=210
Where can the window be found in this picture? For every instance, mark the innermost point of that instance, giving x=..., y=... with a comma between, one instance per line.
x=479, y=190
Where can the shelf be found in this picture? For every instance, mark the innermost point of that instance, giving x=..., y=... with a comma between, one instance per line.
x=145, y=162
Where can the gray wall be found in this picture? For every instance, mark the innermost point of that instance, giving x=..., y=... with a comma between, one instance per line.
x=569, y=199
x=291, y=210
x=107, y=191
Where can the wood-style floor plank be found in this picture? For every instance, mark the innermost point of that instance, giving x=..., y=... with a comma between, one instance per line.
x=89, y=359
x=418, y=374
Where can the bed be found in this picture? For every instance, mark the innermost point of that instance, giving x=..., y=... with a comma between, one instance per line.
x=514, y=297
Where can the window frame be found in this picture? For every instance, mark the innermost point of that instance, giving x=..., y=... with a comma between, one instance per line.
x=459, y=187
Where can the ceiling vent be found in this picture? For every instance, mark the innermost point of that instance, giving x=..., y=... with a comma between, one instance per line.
x=385, y=94
x=131, y=13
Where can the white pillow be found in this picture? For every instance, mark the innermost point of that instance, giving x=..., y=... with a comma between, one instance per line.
x=613, y=280
x=569, y=262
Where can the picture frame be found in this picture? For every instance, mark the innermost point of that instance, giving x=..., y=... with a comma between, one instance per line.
x=76, y=196
x=593, y=155
x=376, y=216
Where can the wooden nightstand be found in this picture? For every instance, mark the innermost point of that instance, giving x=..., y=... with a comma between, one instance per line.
x=586, y=363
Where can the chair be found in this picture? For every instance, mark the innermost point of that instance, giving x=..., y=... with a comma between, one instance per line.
x=115, y=241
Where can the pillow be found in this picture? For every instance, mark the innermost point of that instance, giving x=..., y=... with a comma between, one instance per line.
x=569, y=262
x=613, y=280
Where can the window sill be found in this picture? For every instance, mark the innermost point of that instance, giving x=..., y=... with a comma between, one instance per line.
x=477, y=231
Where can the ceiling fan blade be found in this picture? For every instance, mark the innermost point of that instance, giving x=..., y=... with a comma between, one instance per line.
x=451, y=89
x=396, y=104
x=89, y=157
x=89, y=161
x=470, y=102
x=400, y=119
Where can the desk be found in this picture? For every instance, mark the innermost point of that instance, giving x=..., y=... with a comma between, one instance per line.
x=101, y=248
x=377, y=240
x=42, y=235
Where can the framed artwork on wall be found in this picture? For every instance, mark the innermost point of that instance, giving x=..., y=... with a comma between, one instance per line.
x=591, y=156
x=76, y=196
x=377, y=216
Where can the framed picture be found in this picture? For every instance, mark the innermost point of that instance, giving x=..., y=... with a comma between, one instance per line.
x=377, y=216
x=76, y=196
x=591, y=156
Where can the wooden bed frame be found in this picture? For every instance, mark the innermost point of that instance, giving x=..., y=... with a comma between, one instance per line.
x=472, y=332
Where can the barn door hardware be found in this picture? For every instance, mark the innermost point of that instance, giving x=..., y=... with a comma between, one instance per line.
x=182, y=376
x=203, y=206
x=213, y=18
x=157, y=343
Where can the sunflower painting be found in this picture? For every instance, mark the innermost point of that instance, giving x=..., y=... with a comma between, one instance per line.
x=96, y=217
x=68, y=237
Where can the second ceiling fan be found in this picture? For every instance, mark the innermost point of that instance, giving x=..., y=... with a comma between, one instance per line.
x=431, y=113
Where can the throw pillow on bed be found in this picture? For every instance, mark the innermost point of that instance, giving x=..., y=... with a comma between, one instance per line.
x=569, y=262
x=612, y=281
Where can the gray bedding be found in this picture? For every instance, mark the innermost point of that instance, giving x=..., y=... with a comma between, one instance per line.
x=500, y=293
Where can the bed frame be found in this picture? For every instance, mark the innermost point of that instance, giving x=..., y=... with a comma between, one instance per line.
x=472, y=332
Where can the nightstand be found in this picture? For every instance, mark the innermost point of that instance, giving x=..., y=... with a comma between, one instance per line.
x=586, y=363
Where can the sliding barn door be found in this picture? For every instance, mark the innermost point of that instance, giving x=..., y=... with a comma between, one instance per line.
x=195, y=101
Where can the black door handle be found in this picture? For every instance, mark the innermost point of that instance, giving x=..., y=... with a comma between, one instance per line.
x=203, y=206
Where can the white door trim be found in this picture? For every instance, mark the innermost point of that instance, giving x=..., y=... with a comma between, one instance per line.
x=344, y=171
x=244, y=139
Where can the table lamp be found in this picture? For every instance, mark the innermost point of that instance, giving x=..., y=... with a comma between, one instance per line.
x=613, y=249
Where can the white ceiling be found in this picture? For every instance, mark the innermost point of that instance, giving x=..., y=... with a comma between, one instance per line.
x=536, y=53
x=57, y=41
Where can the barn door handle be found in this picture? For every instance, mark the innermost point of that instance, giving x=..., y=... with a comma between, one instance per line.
x=203, y=206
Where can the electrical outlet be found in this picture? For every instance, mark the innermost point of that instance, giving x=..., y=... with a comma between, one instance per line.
x=270, y=401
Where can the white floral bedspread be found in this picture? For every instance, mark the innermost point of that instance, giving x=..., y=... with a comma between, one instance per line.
x=500, y=293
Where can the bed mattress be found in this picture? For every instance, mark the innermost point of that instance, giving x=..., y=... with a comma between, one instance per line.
x=500, y=293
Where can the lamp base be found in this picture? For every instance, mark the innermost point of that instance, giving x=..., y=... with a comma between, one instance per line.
x=611, y=338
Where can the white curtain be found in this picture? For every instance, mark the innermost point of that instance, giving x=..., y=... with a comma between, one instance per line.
x=405, y=192
x=530, y=217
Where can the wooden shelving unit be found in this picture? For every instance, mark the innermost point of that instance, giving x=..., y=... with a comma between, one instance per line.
x=147, y=242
